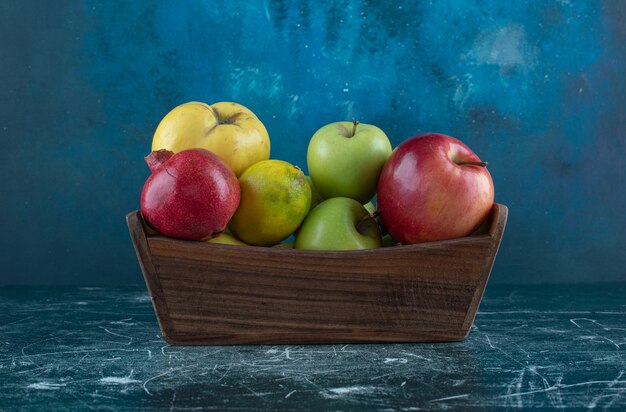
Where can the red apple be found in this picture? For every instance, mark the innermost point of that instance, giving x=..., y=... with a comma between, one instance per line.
x=189, y=195
x=433, y=187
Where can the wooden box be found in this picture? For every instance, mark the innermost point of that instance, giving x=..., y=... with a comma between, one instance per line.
x=211, y=294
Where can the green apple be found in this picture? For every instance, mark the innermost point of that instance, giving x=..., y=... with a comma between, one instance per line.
x=345, y=160
x=339, y=223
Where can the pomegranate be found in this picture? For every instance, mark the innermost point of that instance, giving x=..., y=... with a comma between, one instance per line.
x=189, y=195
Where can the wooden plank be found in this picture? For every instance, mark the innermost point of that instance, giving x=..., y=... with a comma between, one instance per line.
x=220, y=294
x=142, y=250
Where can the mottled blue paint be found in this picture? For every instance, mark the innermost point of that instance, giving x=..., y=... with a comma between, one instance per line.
x=536, y=88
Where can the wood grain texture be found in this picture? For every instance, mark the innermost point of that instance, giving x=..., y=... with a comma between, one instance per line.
x=209, y=294
x=140, y=242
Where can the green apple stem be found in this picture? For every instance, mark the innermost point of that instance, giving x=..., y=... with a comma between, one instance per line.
x=354, y=125
x=481, y=164
x=367, y=222
x=374, y=215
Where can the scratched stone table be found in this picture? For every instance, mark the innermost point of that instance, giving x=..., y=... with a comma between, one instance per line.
x=100, y=348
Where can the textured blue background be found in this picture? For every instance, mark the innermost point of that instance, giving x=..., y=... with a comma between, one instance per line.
x=537, y=88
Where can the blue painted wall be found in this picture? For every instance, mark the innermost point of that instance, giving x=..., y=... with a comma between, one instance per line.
x=537, y=88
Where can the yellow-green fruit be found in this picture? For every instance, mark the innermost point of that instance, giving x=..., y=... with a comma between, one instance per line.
x=275, y=198
x=226, y=239
x=227, y=129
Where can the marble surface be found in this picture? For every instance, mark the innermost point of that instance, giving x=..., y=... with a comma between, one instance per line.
x=84, y=348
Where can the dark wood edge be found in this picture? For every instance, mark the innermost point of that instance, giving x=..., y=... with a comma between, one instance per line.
x=499, y=215
x=140, y=242
x=321, y=338
x=331, y=253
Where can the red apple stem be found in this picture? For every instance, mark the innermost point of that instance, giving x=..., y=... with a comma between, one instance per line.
x=156, y=159
x=354, y=125
x=481, y=164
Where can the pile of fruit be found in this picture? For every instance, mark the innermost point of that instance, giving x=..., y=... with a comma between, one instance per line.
x=212, y=180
